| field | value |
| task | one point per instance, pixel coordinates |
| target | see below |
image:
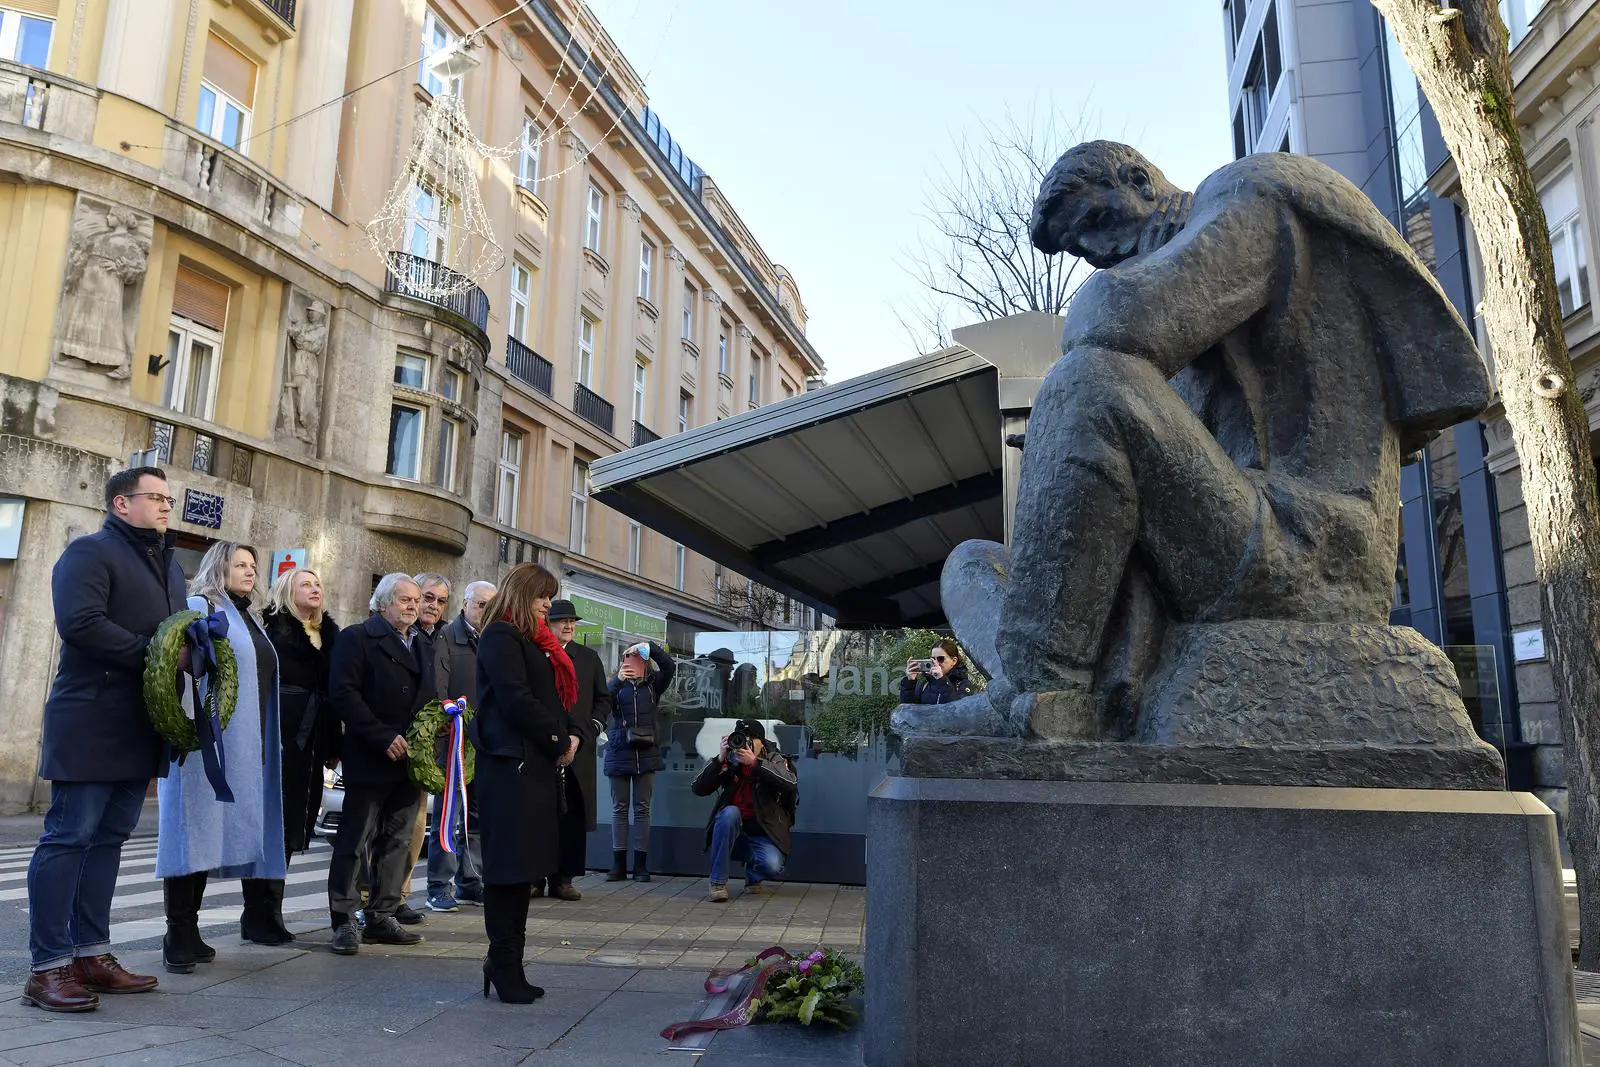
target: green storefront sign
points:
(597, 615)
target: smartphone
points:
(925, 666)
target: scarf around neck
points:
(561, 663)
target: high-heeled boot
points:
(177, 898)
(256, 922)
(505, 921)
(274, 910)
(203, 953)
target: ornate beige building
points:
(187, 269)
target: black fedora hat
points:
(562, 609)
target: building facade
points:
(1466, 576)
(189, 189)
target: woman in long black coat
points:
(302, 634)
(521, 732)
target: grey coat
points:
(243, 839)
(455, 660)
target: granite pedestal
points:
(1094, 923)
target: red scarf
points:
(560, 662)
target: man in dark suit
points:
(111, 590)
(453, 877)
(380, 677)
(594, 703)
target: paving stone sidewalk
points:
(618, 966)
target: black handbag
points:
(641, 738)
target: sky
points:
(826, 123)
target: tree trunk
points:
(1459, 59)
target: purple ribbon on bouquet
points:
(741, 1014)
(201, 636)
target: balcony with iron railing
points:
(642, 434)
(422, 279)
(284, 9)
(529, 367)
(591, 407)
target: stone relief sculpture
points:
(107, 257)
(299, 407)
(1206, 530)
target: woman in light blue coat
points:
(201, 835)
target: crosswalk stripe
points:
(131, 873)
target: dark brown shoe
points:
(103, 974)
(565, 891)
(58, 989)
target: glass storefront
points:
(824, 696)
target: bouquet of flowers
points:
(809, 989)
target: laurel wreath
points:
(427, 741)
(163, 684)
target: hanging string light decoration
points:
(432, 229)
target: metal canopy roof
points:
(848, 498)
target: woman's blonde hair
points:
(513, 599)
(211, 579)
(281, 599)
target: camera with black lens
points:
(737, 740)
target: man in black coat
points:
(454, 878)
(380, 678)
(111, 590)
(594, 704)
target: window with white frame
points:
(1560, 200)
(411, 370)
(647, 262)
(521, 299)
(635, 547)
(641, 375)
(679, 566)
(427, 224)
(25, 37)
(444, 467)
(594, 217)
(1518, 16)
(578, 523)
(755, 377)
(452, 385)
(586, 333)
(722, 350)
(685, 412)
(508, 477)
(436, 37)
(194, 343)
(689, 295)
(528, 153)
(405, 442)
(194, 353)
(227, 92)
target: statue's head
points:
(316, 312)
(1096, 202)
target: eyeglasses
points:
(430, 598)
(159, 498)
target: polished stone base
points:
(1073, 923)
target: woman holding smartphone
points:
(939, 679)
(633, 751)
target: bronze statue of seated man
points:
(1221, 438)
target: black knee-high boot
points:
(505, 920)
(203, 953)
(177, 951)
(275, 902)
(256, 923)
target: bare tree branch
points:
(978, 262)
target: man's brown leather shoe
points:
(565, 891)
(103, 974)
(58, 989)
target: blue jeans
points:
(450, 873)
(74, 869)
(761, 858)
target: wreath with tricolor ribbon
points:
(442, 761)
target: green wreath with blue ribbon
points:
(163, 684)
(428, 744)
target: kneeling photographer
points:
(755, 808)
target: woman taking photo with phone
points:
(939, 679)
(633, 752)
